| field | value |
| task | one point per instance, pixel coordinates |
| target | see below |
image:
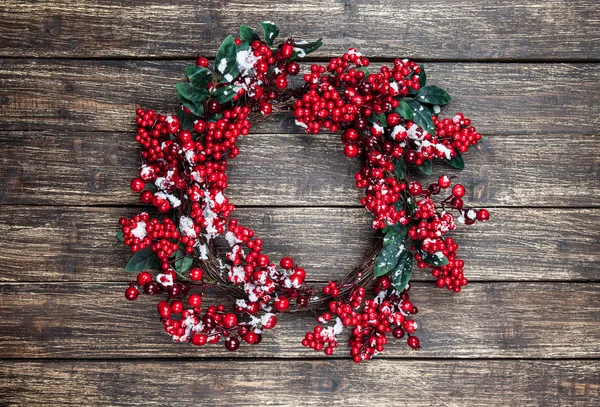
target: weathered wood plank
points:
(433, 29)
(498, 320)
(102, 95)
(311, 170)
(306, 383)
(79, 244)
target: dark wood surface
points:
(526, 331)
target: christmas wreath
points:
(388, 117)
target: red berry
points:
(407, 306)
(413, 342)
(262, 260)
(199, 126)
(415, 188)
(398, 332)
(196, 274)
(173, 124)
(131, 293)
(195, 300)
(286, 263)
(199, 339)
(351, 150)
(457, 202)
(164, 309)
(250, 337)
(444, 181)
(184, 136)
(293, 68)
(458, 191)
(483, 215)
(144, 278)
(266, 108)
(138, 185)
(287, 50)
(350, 135)
(270, 322)
(201, 61)
(393, 119)
(146, 196)
(281, 82)
(282, 303)
(229, 320)
(214, 107)
(410, 326)
(232, 344)
(177, 307)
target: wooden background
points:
(526, 331)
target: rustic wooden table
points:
(526, 331)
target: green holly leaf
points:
(224, 94)
(119, 236)
(184, 264)
(404, 110)
(426, 167)
(393, 247)
(242, 47)
(457, 162)
(226, 62)
(142, 260)
(387, 259)
(402, 272)
(410, 205)
(306, 47)
(248, 35)
(150, 186)
(422, 116)
(436, 259)
(378, 118)
(192, 97)
(422, 77)
(186, 120)
(186, 90)
(400, 168)
(433, 94)
(396, 231)
(215, 117)
(271, 31)
(199, 76)
(196, 110)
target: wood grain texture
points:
(84, 95)
(498, 320)
(78, 168)
(433, 29)
(526, 331)
(79, 244)
(331, 383)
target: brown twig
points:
(361, 275)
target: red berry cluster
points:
(382, 190)
(456, 133)
(184, 169)
(431, 224)
(343, 96)
(191, 166)
(260, 66)
(371, 321)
